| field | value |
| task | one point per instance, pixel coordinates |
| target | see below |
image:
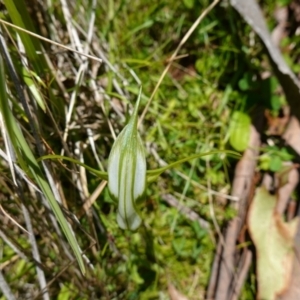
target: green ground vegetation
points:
(203, 104)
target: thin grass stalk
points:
(5, 288)
(35, 253)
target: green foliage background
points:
(216, 75)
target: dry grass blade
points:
(14, 221)
(50, 41)
(35, 254)
(5, 288)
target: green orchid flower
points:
(127, 174)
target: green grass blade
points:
(18, 13)
(30, 82)
(102, 175)
(153, 174)
(33, 170)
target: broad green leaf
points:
(274, 242)
(239, 131)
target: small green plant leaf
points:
(244, 84)
(276, 103)
(239, 131)
(275, 163)
(189, 3)
(65, 293)
(264, 162)
(273, 159)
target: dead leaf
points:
(293, 292)
(175, 294)
(281, 15)
(292, 133)
(274, 242)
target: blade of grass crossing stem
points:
(33, 86)
(153, 174)
(33, 48)
(26, 158)
(18, 13)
